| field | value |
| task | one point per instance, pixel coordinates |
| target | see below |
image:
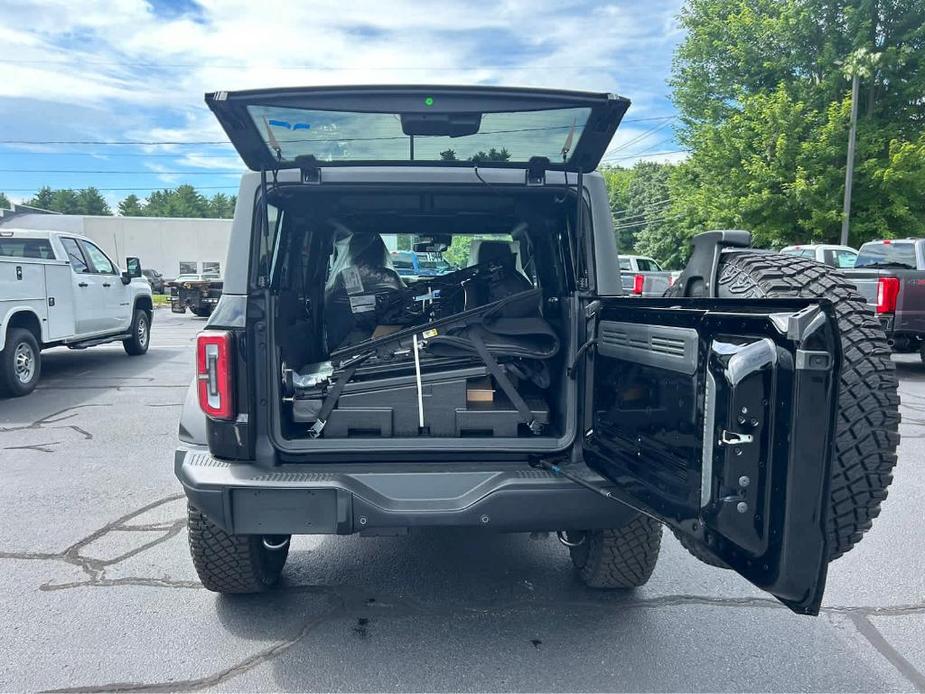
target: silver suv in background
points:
(830, 254)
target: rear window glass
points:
(356, 136)
(402, 261)
(896, 254)
(26, 248)
(647, 265)
(840, 258)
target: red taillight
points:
(638, 283)
(213, 371)
(887, 291)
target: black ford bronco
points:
(753, 411)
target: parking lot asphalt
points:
(97, 591)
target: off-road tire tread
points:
(620, 557)
(867, 427)
(229, 563)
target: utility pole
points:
(849, 169)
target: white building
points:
(170, 245)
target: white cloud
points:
(117, 69)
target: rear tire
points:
(867, 425)
(619, 558)
(141, 334)
(20, 363)
(234, 564)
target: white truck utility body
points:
(64, 290)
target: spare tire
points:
(867, 426)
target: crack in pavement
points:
(886, 649)
(41, 447)
(52, 421)
(239, 668)
(349, 601)
(96, 568)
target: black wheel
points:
(229, 563)
(619, 557)
(141, 333)
(20, 363)
(201, 312)
(867, 428)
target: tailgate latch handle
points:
(731, 438)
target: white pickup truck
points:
(60, 289)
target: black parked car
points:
(155, 279)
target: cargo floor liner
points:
(388, 407)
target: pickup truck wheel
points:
(141, 333)
(867, 427)
(229, 563)
(20, 363)
(620, 557)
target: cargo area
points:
(408, 317)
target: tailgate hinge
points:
(309, 169)
(536, 170)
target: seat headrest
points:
(495, 251)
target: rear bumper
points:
(342, 499)
(194, 301)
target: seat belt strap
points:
(526, 415)
(330, 400)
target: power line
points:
(666, 218)
(175, 155)
(214, 172)
(302, 66)
(647, 154)
(30, 190)
(642, 136)
(654, 208)
(657, 202)
(183, 143)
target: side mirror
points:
(132, 270)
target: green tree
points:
(42, 199)
(221, 206)
(647, 198)
(69, 201)
(131, 206)
(89, 201)
(5, 203)
(491, 155)
(184, 201)
(763, 91)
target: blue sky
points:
(131, 71)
